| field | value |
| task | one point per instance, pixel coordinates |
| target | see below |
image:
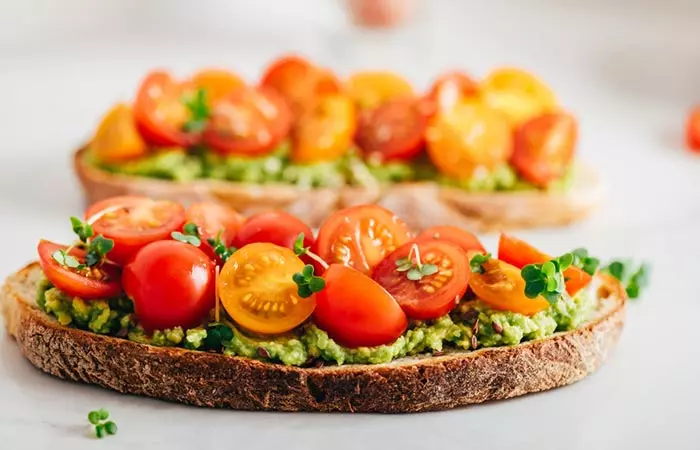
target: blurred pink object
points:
(380, 13)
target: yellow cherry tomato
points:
(218, 83)
(117, 139)
(370, 89)
(517, 94)
(325, 131)
(256, 289)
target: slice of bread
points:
(409, 384)
(421, 205)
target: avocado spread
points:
(309, 344)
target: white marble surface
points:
(629, 70)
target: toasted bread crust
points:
(215, 380)
(421, 205)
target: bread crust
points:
(421, 205)
(213, 380)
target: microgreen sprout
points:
(308, 283)
(220, 247)
(475, 264)
(103, 427)
(412, 265)
(198, 108)
(632, 281)
(547, 279)
(189, 235)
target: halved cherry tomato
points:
(160, 113)
(356, 311)
(257, 290)
(458, 236)
(433, 295)
(692, 131)
(468, 138)
(325, 131)
(132, 222)
(218, 83)
(90, 283)
(214, 220)
(451, 88)
(117, 139)
(171, 284)
(360, 236)
(299, 81)
(275, 227)
(502, 287)
(519, 253)
(393, 131)
(544, 148)
(248, 122)
(517, 94)
(370, 89)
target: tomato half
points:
(468, 138)
(275, 227)
(458, 236)
(171, 284)
(544, 148)
(519, 253)
(517, 94)
(451, 88)
(502, 287)
(257, 290)
(132, 222)
(117, 139)
(360, 236)
(325, 131)
(433, 295)
(356, 311)
(160, 113)
(213, 219)
(248, 121)
(217, 83)
(370, 89)
(692, 130)
(393, 131)
(87, 284)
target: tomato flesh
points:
(434, 295)
(117, 139)
(370, 89)
(217, 83)
(356, 311)
(214, 220)
(458, 236)
(517, 94)
(692, 131)
(393, 131)
(325, 131)
(451, 88)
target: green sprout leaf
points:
(186, 238)
(218, 335)
(633, 281)
(547, 279)
(414, 274)
(102, 427)
(82, 229)
(98, 249)
(191, 229)
(198, 108)
(477, 261)
(307, 283)
(66, 260)
(428, 269)
(585, 262)
(220, 248)
(299, 248)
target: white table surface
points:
(629, 71)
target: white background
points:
(628, 69)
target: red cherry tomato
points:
(132, 222)
(433, 295)
(455, 235)
(171, 284)
(101, 282)
(692, 131)
(393, 131)
(276, 227)
(356, 311)
(451, 88)
(214, 220)
(248, 121)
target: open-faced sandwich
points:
(199, 306)
(482, 155)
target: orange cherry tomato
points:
(117, 139)
(356, 311)
(451, 88)
(433, 295)
(257, 290)
(133, 222)
(544, 148)
(517, 94)
(217, 83)
(692, 131)
(502, 287)
(325, 131)
(249, 122)
(360, 236)
(458, 236)
(214, 220)
(519, 253)
(393, 130)
(370, 89)
(468, 138)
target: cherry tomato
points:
(117, 139)
(275, 227)
(356, 311)
(248, 122)
(217, 83)
(325, 131)
(393, 131)
(692, 132)
(160, 113)
(502, 287)
(458, 236)
(433, 295)
(451, 88)
(370, 89)
(360, 236)
(517, 94)
(214, 220)
(519, 253)
(299, 81)
(89, 283)
(171, 284)
(132, 222)
(469, 138)
(257, 290)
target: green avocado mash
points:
(309, 343)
